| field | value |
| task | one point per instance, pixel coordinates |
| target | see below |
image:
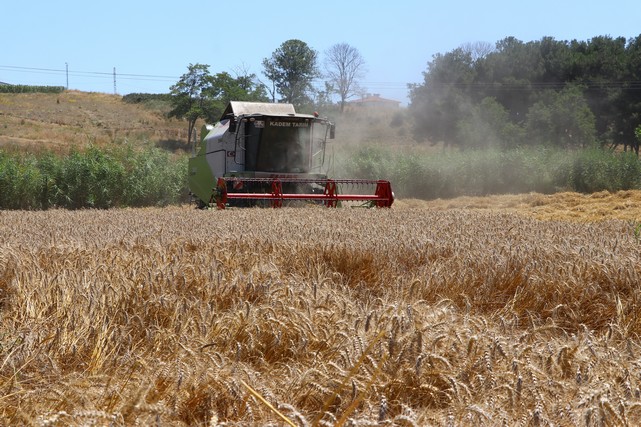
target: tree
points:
(189, 96)
(291, 68)
(344, 66)
(561, 118)
(444, 98)
(567, 93)
(478, 50)
(488, 125)
(323, 97)
(508, 74)
(637, 141)
(225, 88)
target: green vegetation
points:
(144, 98)
(548, 92)
(200, 95)
(94, 178)
(120, 176)
(291, 69)
(541, 116)
(30, 89)
(447, 174)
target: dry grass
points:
(624, 205)
(418, 315)
(58, 122)
(38, 121)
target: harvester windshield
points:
(287, 145)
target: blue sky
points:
(151, 43)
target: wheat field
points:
(472, 312)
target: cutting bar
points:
(326, 191)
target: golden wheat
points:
(408, 316)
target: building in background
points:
(373, 102)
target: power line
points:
(97, 74)
(14, 67)
(377, 84)
(68, 71)
(82, 77)
(516, 86)
(132, 76)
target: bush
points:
(493, 171)
(140, 98)
(94, 178)
(597, 170)
(90, 179)
(153, 178)
(30, 89)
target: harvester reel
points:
(272, 190)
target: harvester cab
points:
(267, 153)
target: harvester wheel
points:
(219, 194)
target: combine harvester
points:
(267, 154)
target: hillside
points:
(39, 121)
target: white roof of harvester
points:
(239, 108)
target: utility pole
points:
(67, 70)
(114, 80)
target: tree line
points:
(290, 71)
(545, 92)
(514, 93)
(7, 88)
